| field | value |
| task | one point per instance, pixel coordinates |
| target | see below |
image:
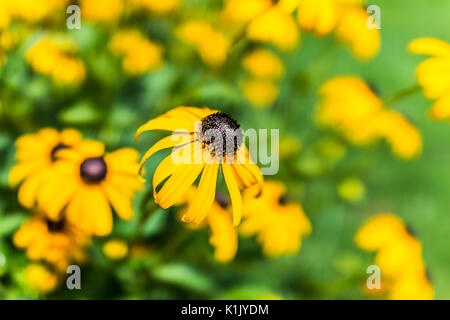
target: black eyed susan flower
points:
(351, 107)
(278, 223)
(85, 181)
(56, 242)
(205, 141)
(224, 237)
(36, 155)
(399, 256)
(433, 74)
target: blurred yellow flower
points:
(244, 11)
(433, 74)
(104, 11)
(399, 256)
(224, 237)
(36, 156)
(351, 189)
(156, 6)
(55, 242)
(278, 224)
(348, 105)
(56, 59)
(115, 249)
(40, 278)
(260, 92)
(263, 63)
(347, 18)
(352, 30)
(211, 44)
(139, 54)
(275, 26)
(196, 154)
(29, 10)
(85, 181)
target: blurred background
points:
(339, 185)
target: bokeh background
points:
(178, 263)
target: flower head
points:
(57, 60)
(85, 181)
(433, 74)
(115, 249)
(204, 141)
(139, 54)
(104, 11)
(56, 242)
(36, 155)
(279, 224)
(40, 278)
(351, 107)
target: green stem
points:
(399, 95)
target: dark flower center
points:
(222, 200)
(55, 226)
(93, 170)
(221, 134)
(283, 200)
(55, 150)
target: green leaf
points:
(10, 223)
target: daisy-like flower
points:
(85, 181)
(224, 237)
(278, 223)
(433, 74)
(211, 44)
(399, 256)
(347, 18)
(36, 156)
(351, 107)
(104, 11)
(139, 54)
(57, 60)
(205, 140)
(56, 242)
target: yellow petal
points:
(429, 46)
(178, 184)
(223, 235)
(23, 169)
(120, 202)
(235, 194)
(55, 195)
(204, 197)
(167, 124)
(441, 109)
(164, 143)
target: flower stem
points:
(401, 94)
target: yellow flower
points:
(351, 189)
(205, 140)
(399, 256)
(34, 10)
(263, 64)
(85, 181)
(156, 6)
(433, 74)
(352, 30)
(115, 249)
(139, 54)
(380, 231)
(55, 242)
(275, 26)
(105, 11)
(56, 60)
(412, 287)
(278, 224)
(36, 156)
(244, 11)
(224, 237)
(318, 16)
(40, 278)
(260, 92)
(348, 105)
(211, 44)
